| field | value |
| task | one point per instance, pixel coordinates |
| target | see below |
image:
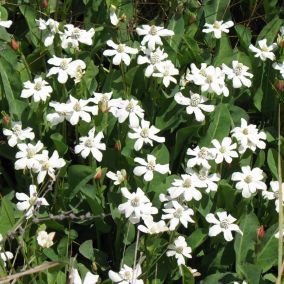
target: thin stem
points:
(135, 256)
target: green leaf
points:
(272, 157)
(244, 35)
(60, 146)
(245, 244)
(197, 238)
(270, 30)
(6, 215)
(86, 249)
(177, 25)
(224, 52)
(251, 272)
(187, 277)
(214, 10)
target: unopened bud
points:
(260, 232)
(6, 119)
(279, 85)
(14, 44)
(117, 145)
(44, 4)
(103, 106)
(98, 174)
(192, 19)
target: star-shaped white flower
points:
(224, 150)
(201, 157)
(223, 225)
(217, 28)
(148, 167)
(91, 144)
(280, 67)
(45, 239)
(152, 227)
(51, 27)
(127, 275)
(119, 177)
(274, 194)
(166, 70)
(90, 278)
(265, 51)
(120, 52)
(249, 181)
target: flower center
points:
(195, 100)
(130, 107)
(265, 49)
(45, 166)
(121, 48)
(38, 86)
(223, 149)
(17, 129)
(153, 30)
(224, 224)
(155, 58)
(151, 165)
(245, 131)
(216, 25)
(239, 69)
(64, 64)
(30, 153)
(248, 179)
(135, 201)
(276, 194)
(76, 33)
(178, 213)
(128, 275)
(89, 143)
(33, 200)
(209, 79)
(77, 106)
(203, 153)
(202, 72)
(145, 132)
(179, 250)
(187, 183)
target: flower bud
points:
(192, 19)
(117, 145)
(6, 119)
(279, 86)
(280, 40)
(14, 44)
(44, 4)
(103, 106)
(260, 232)
(98, 174)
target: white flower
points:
(77, 109)
(17, 134)
(178, 214)
(152, 227)
(152, 35)
(148, 167)
(248, 136)
(137, 206)
(238, 74)
(217, 28)
(277, 235)
(72, 36)
(265, 51)
(60, 114)
(152, 57)
(52, 28)
(201, 157)
(105, 103)
(224, 150)
(29, 202)
(249, 181)
(186, 186)
(91, 144)
(194, 104)
(119, 177)
(280, 67)
(244, 282)
(5, 255)
(223, 225)
(127, 275)
(180, 250)
(209, 180)
(64, 67)
(112, 15)
(90, 278)
(48, 165)
(131, 109)
(40, 90)
(166, 70)
(44, 239)
(145, 134)
(274, 194)
(28, 156)
(120, 52)
(5, 24)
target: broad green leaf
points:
(270, 30)
(195, 239)
(224, 52)
(251, 272)
(86, 249)
(214, 10)
(187, 277)
(6, 215)
(244, 35)
(60, 146)
(272, 161)
(177, 26)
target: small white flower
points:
(148, 167)
(223, 225)
(217, 28)
(44, 239)
(152, 35)
(137, 206)
(5, 24)
(4, 255)
(127, 275)
(119, 177)
(248, 136)
(17, 134)
(166, 70)
(178, 214)
(90, 278)
(40, 90)
(265, 51)
(180, 250)
(48, 165)
(61, 113)
(112, 15)
(131, 109)
(120, 52)
(201, 157)
(249, 181)
(52, 28)
(152, 227)
(72, 36)
(280, 67)
(29, 202)
(194, 104)
(105, 103)
(152, 58)
(145, 134)
(224, 150)
(91, 144)
(238, 74)
(274, 194)
(64, 67)
(28, 156)
(77, 109)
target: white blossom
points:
(274, 194)
(105, 103)
(217, 28)
(4, 254)
(127, 275)
(112, 15)
(166, 70)
(51, 27)
(280, 67)
(152, 227)
(5, 24)
(224, 150)
(265, 51)
(201, 157)
(90, 278)
(45, 239)
(119, 177)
